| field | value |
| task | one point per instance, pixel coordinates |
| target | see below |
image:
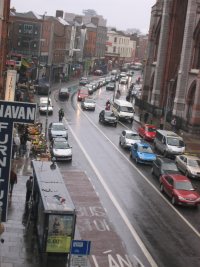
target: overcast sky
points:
(122, 14)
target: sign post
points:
(10, 113)
(80, 249)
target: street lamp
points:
(170, 84)
(47, 114)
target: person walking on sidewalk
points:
(13, 180)
(161, 123)
(28, 148)
(173, 124)
(29, 188)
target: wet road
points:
(148, 225)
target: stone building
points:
(171, 77)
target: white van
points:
(44, 105)
(169, 143)
(123, 110)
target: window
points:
(114, 49)
(115, 39)
(28, 28)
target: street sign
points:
(79, 261)
(80, 247)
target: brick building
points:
(171, 78)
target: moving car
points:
(60, 149)
(123, 110)
(57, 129)
(91, 88)
(110, 86)
(128, 138)
(83, 81)
(88, 104)
(45, 105)
(189, 165)
(164, 166)
(108, 117)
(147, 131)
(123, 80)
(179, 189)
(82, 93)
(63, 93)
(108, 79)
(142, 153)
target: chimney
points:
(59, 14)
(95, 20)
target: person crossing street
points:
(60, 114)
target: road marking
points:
(145, 178)
(115, 202)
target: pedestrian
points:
(60, 114)
(13, 180)
(146, 116)
(28, 148)
(23, 144)
(29, 188)
(173, 124)
(161, 123)
(17, 145)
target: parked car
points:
(142, 153)
(164, 166)
(60, 149)
(128, 138)
(64, 93)
(189, 165)
(179, 189)
(108, 117)
(83, 81)
(88, 104)
(147, 131)
(94, 84)
(110, 86)
(57, 129)
(45, 105)
(82, 93)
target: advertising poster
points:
(59, 233)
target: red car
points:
(179, 188)
(82, 93)
(147, 131)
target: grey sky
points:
(121, 14)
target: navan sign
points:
(10, 113)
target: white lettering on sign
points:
(78, 244)
(91, 211)
(100, 225)
(17, 112)
(117, 261)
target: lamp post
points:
(171, 82)
(47, 114)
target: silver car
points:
(88, 104)
(189, 165)
(128, 138)
(57, 129)
(60, 149)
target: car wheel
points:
(115, 125)
(136, 160)
(173, 201)
(99, 119)
(152, 171)
(130, 155)
(161, 188)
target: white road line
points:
(116, 204)
(146, 179)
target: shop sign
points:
(10, 113)
(10, 85)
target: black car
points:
(108, 117)
(164, 166)
(110, 86)
(63, 93)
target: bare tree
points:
(90, 12)
(133, 30)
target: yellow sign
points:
(60, 244)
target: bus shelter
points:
(54, 210)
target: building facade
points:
(171, 78)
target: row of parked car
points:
(173, 169)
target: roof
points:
(165, 160)
(168, 133)
(62, 21)
(179, 177)
(54, 194)
(123, 102)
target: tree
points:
(90, 12)
(133, 30)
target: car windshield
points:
(183, 186)
(57, 127)
(85, 92)
(126, 109)
(194, 163)
(151, 130)
(61, 145)
(64, 90)
(132, 136)
(109, 114)
(144, 149)
(175, 142)
(89, 100)
(170, 167)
